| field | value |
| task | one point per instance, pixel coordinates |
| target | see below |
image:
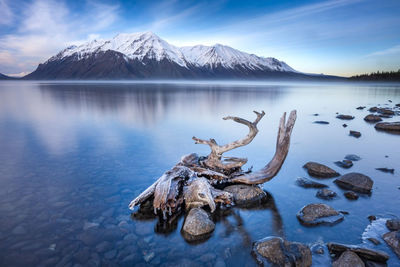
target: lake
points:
(74, 154)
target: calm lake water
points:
(73, 155)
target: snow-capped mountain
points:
(145, 55)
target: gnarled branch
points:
(214, 159)
(282, 149)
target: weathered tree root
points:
(192, 180)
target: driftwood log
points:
(193, 181)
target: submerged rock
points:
(372, 118)
(308, 183)
(197, 225)
(244, 195)
(363, 253)
(393, 240)
(355, 181)
(388, 126)
(348, 259)
(276, 251)
(344, 117)
(319, 170)
(344, 163)
(393, 224)
(355, 133)
(315, 214)
(321, 122)
(352, 157)
(374, 241)
(385, 170)
(351, 195)
(326, 194)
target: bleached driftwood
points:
(192, 181)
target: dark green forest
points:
(378, 76)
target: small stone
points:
(276, 251)
(355, 134)
(321, 122)
(344, 117)
(372, 118)
(344, 125)
(351, 195)
(352, 157)
(393, 224)
(319, 170)
(344, 212)
(149, 256)
(349, 259)
(374, 241)
(355, 181)
(88, 225)
(325, 194)
(315, 114)
(385, 170)
(315, 214)
(386, 111)
(371, 218)
(52, 247)
(308, 183)
(344, 163)
(360, 107)
(103, 246)
(373, 109)
(110, 254)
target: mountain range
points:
(147, 56)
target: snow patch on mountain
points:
(148, 45)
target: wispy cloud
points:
(6, 15)
(386, 52)
(46, 26)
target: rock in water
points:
(197, 225)
(385, 170)
(344, 125)
(308, 183)
(388, 126)
(314, 214)
(351, 195)
(319, 170)
(393, 240)
(276, 251)
(372, 118)
(348, 259)
(246, 195)
(352, 157)
(360, 107)
(325, 194)
(393, 224)
(344, 117)
(386, 111)
(363, 253)
(355, 134)
(321, 122)
(344, 163)
(355, 181)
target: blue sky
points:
(340, 37)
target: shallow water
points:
(73, 155)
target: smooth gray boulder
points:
(348, 259)
(355, 181)
(315, 214)
(319, 170)
(245, 195)
(197, 225)
(276, 251)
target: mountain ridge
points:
(147, 56)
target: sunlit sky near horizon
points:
(339, 37)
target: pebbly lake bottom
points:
(74, 154)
